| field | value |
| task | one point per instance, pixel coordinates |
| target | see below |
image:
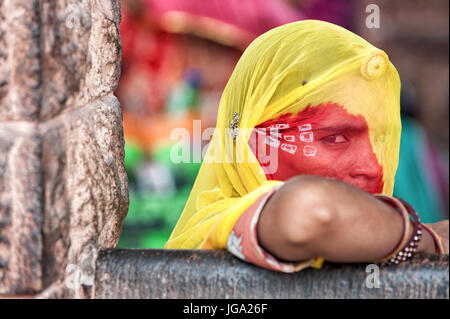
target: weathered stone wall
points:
(63, 188)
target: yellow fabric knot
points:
(374, 65)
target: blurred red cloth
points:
(251, 16)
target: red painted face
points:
(324, 141)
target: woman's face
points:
(324, 141)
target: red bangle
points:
(401, 209)
(438, 245)
(406, 248)
(411, 246)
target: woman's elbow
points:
(304, 211)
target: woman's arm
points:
(313, 216)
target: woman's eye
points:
(335, 139)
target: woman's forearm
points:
(314, 216)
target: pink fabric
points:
(243, 241)
(252, 16)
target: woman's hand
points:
(441, 228)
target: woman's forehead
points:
(326, 116)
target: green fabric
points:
(134, 155)
(411, 181)
(151, 217)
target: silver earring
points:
(234, 126)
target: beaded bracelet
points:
(406, 246)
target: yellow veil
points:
(267, 82)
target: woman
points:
(308, 128)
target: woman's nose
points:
(366, 164)
(369, 172)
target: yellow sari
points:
(266, 83)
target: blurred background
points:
(179, 54)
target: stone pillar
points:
(63, 187)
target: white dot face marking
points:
(304, 127)
(275, 134)
(309, 150)
(289, 138)
(289, 148)
(307, 137)
(272, 141)
(261, 131)
(279, 126)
